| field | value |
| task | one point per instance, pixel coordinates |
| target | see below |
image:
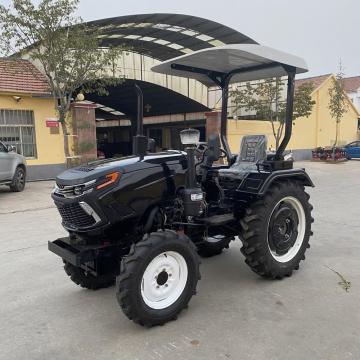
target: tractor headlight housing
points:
(107, 180)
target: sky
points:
(323, 32)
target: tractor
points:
(142, 221)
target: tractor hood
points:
(93, 170)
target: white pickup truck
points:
(12, 168)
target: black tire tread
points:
(129, 267)
(257, 256)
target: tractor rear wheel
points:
(158, 278)
(276, 230)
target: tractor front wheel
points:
(276, 230)
(158, 278)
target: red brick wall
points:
(84, 127)
(213, 123)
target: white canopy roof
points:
(224, 59)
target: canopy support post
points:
(224, 110)
(291, 71)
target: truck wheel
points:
(86, 280)
(158, 278)
(213, 246)
(276, 230)
(18, 182)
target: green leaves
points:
(266, 99)
(303, 103)
(263, 97)
(338, 103)
(66, 50)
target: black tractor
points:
(142, 220)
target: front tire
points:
(18, 181)
(276, 230)
(158, 278)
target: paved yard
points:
(235, 315)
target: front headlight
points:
(107, 180)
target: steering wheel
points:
(201, 150)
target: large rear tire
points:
(158, 278)
(276, 230)
(87, 280)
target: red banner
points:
(52, 123)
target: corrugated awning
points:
(164, 36)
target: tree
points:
(266, 99)
(338, 102)
(65, 49)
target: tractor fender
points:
(299, 175)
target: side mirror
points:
(151, 145)
(11, 148)
(214, 148)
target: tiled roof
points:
(352, 83)
(315, 80)
(20, 76)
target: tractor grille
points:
(73, 216)
(72, 191)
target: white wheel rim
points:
(292, 252)
(164, 280)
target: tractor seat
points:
(252, 151)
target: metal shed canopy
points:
(165, 36)
(250, 61)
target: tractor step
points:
(217, 220)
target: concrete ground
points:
(236, 315)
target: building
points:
(28, 116)
(352, 88)
(318, 129)
(171, 103)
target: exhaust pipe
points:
(140, 111)
(139, 141)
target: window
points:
(2, 148)
(17, 128)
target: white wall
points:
(355, 98)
